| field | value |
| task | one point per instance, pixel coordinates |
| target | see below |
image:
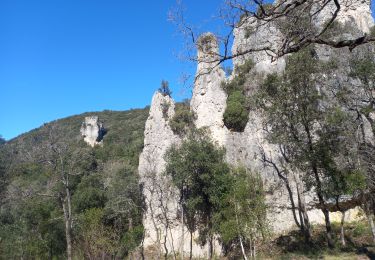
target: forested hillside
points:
(38, 167)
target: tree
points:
(182, 120)
(67, 166)
(301, 26)
(362, 101)
(243, 218)
(164, 88)
(198, 170)
(314, 130)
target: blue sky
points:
(64, 57)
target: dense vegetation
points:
(237, 110)
(215, 199)
(183, 120)
(315, 124)
(106, 201)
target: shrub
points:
(164, 88)
(372, 31)
(182, 120)
(236, 113)
(237, 110)
(164, 109)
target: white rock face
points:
(209, 99)
(161, 221)
(92, 131)
(208, 104)
(368, 133)
(254, 34)
(354, 12)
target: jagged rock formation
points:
(255, 34)
(92, 131)
(208, 104)
(353, 12)
(161, 222)
(209, 99)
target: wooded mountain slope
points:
(103, 182)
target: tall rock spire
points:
(209, 99)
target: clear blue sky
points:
(65, 57)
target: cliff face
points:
(353, 12)
(162, 225)
(161, 199)
(209, 99)
(92, 131)
(208, 104)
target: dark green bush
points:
(237, 110)
(182, 120)
(372, 31)
(236, 114)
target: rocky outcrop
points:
(256, 35)
(161, 200)
(163, 228)
(353, 12)
(92, 131)
(208, 101)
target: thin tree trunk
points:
(182, 233)
(242, 249)
(305, 222)
(255, 251)
(342, 232)
(251, 247)
(287, 185)
(331, 244)
(191, 245)
(165, 242)
(210, 247)
(372, 225)
(67, 232)
(239, 233)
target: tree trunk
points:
(324, 209)
(242, 249)
(251, 247)
(165, 242)
(67, 231)
(182, 233)
(305, 222)
(372, 226)
(210, 247)
(191, 245)
(342, 231)
(330, 241)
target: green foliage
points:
(89, 194)
(164, 109)
(244, 214)
(363, 69)
(315, 130)
(198, 170)
(372, 31)
(95, 236)
(133, 238)
(236, 113)
(105, 182)
(182, 120)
